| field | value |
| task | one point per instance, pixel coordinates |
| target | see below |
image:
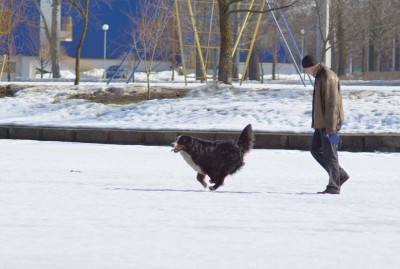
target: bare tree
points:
(55, 41)
(170, 50)
(43, 58)
(339, 9)
(149, 28)
(12, 14)
(271, 41)
(82, 7)
(345, 26)
(52, 34)
(381, 30)
(225, 61)
(42, 51)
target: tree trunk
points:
(80, 43)
(55, 42)
(371, 58)
(262, 72)
(8, 61)
(397, 56)
(341, 40)
(225, 62)
(235, 63)
(254, 71)
(148, 85)
(274, 59)
(274, 69)
(199, 72)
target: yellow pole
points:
(2, 67)
(180, 41)
(252, 44)
(196, 37)
(246, 18)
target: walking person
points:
(327, 119)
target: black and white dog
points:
(216, 159)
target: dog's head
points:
(181, 143)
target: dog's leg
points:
(212, 182)
(200, 178)
(218, 178)
(218, 183)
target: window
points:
(66, 29)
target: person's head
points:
(310, 65)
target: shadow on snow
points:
(174, 190)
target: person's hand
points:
(334, 138)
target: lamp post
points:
(105, 28)
(302, 32)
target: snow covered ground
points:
(71, 205)
(280, 106)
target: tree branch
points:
(259, 11)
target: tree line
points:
(363, 35)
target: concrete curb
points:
(351, 142)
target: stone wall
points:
(264, 140)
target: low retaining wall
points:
(351, 142)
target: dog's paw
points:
(211, 188)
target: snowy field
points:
(71, 205)
(276, 106)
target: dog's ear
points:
(184, 140)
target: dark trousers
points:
(326, 154)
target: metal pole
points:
(245, 20)
(252, 44)
(105, 28)
(302, 32)
(105, 53)
(351, 58)
(292, 38)
(394, 53)
(323, 25)
(197, 40)
(286, 44)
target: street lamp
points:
(302, 32)
(105, 28)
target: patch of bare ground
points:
(6, 91)
(117, 96)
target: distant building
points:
(29, 35)
(24, 57)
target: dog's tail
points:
(246, 139)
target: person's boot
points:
(342, 181)
(329, 191)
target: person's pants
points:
(326, 154)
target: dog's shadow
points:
(176, 190)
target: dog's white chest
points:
(190, 162)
